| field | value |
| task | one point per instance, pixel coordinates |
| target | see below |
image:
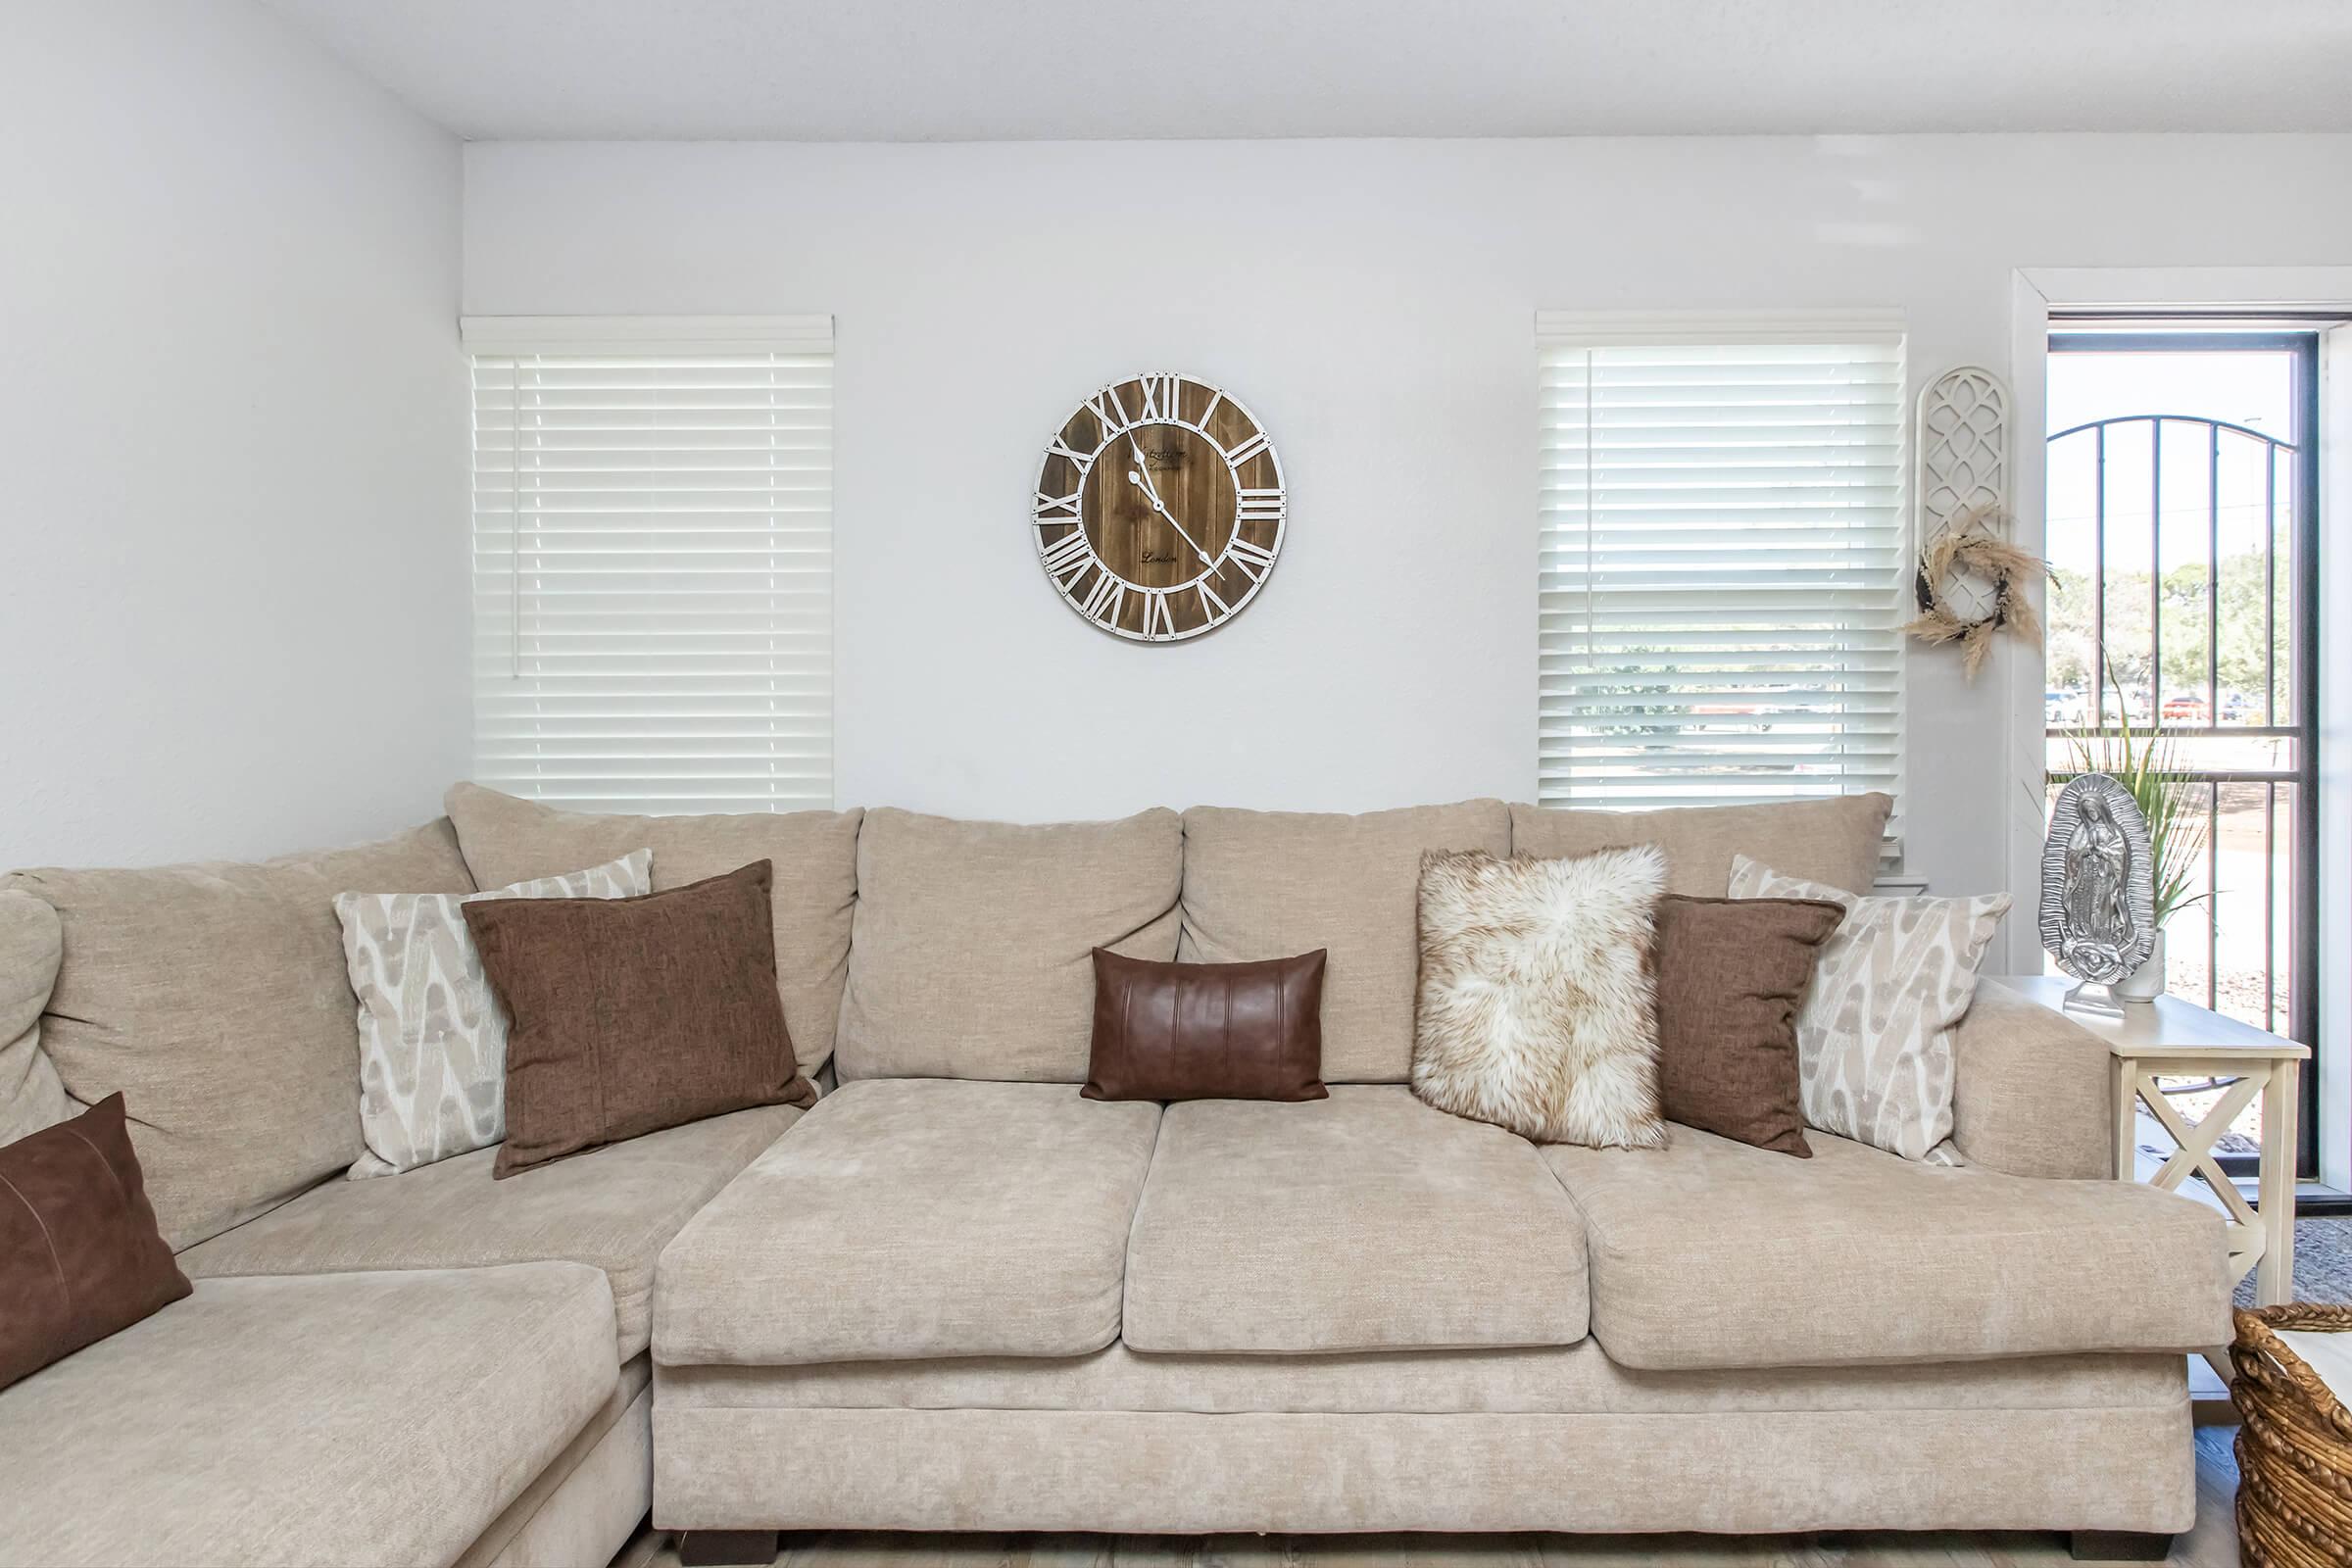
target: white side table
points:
(2178, 1039)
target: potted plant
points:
(2147, 763)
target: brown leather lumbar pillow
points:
(81, 1256)
(1207, 1031)
(1731, 974)
(628, 1015)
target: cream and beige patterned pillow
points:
(1537, 1008)
(432, 1040)
(1874, 1039)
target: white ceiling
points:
(991, 70)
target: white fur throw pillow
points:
(1538, 1008)
(1874, 1039)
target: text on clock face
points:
(1160, 507)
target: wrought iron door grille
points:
(2225, 666)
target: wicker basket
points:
(2294, 1445)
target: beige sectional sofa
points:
(957, 1294)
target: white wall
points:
(232, 501)
(1374, 302)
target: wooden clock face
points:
(1159, 509)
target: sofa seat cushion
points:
(381, 1418)
(906, 1218)
(1710, 1254)
(1367, 1221)
(611, 1208)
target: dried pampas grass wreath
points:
(1971, 549)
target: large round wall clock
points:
(1159, 508)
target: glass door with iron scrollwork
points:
(2183, 536)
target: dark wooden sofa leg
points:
(726, 1549)
(2119, 1546)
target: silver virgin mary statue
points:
(2098, 888)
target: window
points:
(1723, 559)
(653, 561)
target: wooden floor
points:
(2212, 1545)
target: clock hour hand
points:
(1135, 476)
(1141, 473)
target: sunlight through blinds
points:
(1723, 559)
(652, 578)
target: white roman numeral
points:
(1247, 450)
(1160, 394)
(1215, 397)
(1108, 411)
(1065, 557)
(1252, 559)
(1106, 599)
(1259, 506)
(1158, 620)
(1062, 449)
(1211, 606)
(1068, 505)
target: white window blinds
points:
(652, 583)
(1723, 559)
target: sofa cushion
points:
(974, 950)
(1834, 841)
(1874, 1035)
(612, 1210)
(1710, 1254)
(30, 944)
(328, 1419)
(1538, 1008)
(1207, 1031)
(507, 839)
(1731, 974)
(1269, 884)
(625, 1016)
(79, 1257)
(432, 1039)
(214, 998)
(1367, 1221)
(912, 1218)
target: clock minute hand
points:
(1161, 507)
(1141, 473)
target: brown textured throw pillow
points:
(81, 1256)
(628, 1015)
(1731, 974)
(1207, 1031)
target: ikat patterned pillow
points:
(1874, 1037)
(432, 1039)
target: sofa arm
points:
(2033, 1091)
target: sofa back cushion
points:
(509, 840)
(974, 948)
(214, 998)
(30, 942)
(1834, 841)
(1269, 884)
